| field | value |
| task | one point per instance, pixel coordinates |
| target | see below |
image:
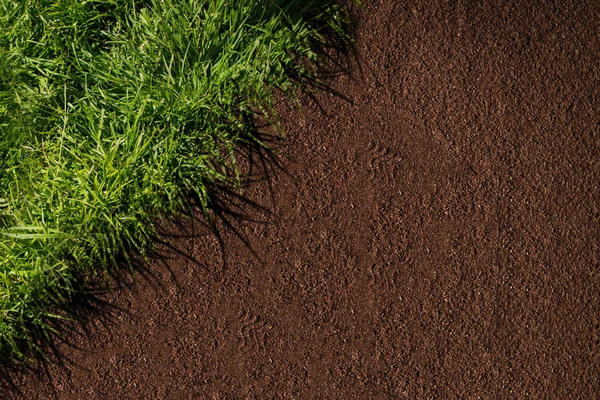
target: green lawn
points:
(112, 114)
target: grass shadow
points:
(89, 312)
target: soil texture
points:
(432, 232)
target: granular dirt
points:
(432, 233)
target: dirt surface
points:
(434, 235)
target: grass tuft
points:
(112, 113)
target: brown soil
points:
(434, 235)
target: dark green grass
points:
(114, 112)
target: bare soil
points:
(431, 233)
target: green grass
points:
(114, 112)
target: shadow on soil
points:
(259, 157)
(90, 313)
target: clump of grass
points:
(112, 113)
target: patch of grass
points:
(112, 113)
